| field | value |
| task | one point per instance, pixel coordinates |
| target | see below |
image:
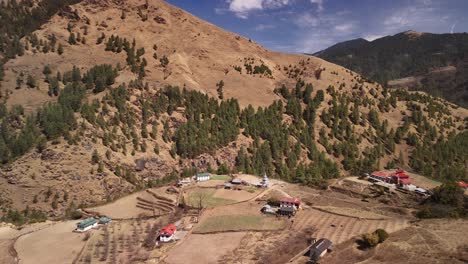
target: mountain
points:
(345, 45)
(109, 97)
(434, 63)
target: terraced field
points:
(156, 204)
(152, 202)
(339, 228)
(429, 241)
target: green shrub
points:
(382, 234)
(371, 239)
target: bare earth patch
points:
(339, 228)
(204, 248)
(55, 244)
(351, 212)
(431, 241)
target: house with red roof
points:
(378, 176)
(290, 202)
(167, 233)
(400, 177)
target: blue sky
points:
(311, 25)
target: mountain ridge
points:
(409, 54)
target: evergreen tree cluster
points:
(444, 160)
(278, 147)
(251, 68)
(26, 216)
(36, 44)
(448, 200)
(19, 19)
(100, 77)
(134, 56)
(20, 133)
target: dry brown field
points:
(204, 248)
(56, 244)
(140, 204)
(428, 241)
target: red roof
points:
(380, 174)
(168, 230)
(290, 200)
(400, 175)
(462, 184)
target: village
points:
(207, 204)
(232, 218)
(280, 206)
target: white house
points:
(167, 233)
(86, 225)
(203, 177)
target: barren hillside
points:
(200, 54)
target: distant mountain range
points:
(434, 63)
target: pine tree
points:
(219, 89)
(31, 82)
(72, 39)
(60, 49)
(95, 158)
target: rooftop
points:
(168, 230)
(286, 209)
(379, 174)
(87, 222)
(290, 200)
(320, 246)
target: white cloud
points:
(424, 2)
(261, 27)
(242, 8)
(373, 37)
(411, 17)
(306, 20)
(323, 30)
(344, 27)
(452, 28)
(319, 4)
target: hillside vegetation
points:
(128, 104)
(437, 61)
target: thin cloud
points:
(306, 20)
(453, 28)
(319, 4)
(262, 27)
(242, 8)
(313, 25)
(345, 27)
